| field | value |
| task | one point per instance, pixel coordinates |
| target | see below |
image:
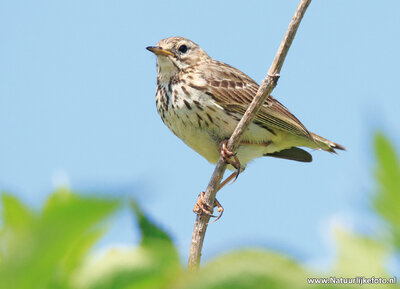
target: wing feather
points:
(233, 90)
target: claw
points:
(227, 155)
(220, 211)
(202, 207)
(237, 167)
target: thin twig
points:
(263, 93)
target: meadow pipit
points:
(201, 100)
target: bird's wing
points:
(234, 91)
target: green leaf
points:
(387, 201)
(152, 265)
(248, 269)
(17, 221)
(155, 240)
(150, 232)
(15, 215)
(55, 242)
(359, 256)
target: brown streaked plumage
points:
(201, 100)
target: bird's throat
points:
(166, 69)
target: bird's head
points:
(176, 53)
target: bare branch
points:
(266, 87)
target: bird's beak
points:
(157, 50)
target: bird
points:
(201, 100)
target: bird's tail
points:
(325, 144)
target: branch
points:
(266, 87)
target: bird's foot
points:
(227, 155)
(201, 207)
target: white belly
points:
(202, 125)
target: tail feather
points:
(327, 145)
(294, 154)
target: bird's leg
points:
(201, 206)
(227, 180)
(226, 156)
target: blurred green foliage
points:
(52, 248)
(387, 201)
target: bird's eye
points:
(183, 48)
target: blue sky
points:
(77, 106)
